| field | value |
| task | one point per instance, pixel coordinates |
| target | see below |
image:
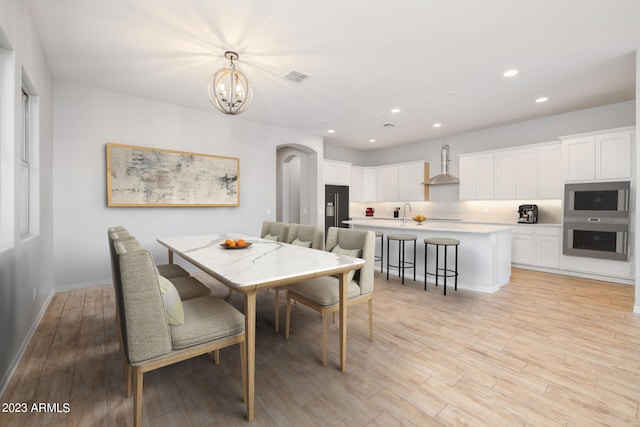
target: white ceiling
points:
(364, 57)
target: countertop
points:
(452, 226)
(456, 221)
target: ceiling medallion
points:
(229, 89)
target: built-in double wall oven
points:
(596, 220)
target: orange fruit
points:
(226, 242)
(231, 244)
(241, 243)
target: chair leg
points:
(243, 370)
(127, 377)
(324, 337)
(137, 397)
(277, 310)
(371, 319)
(287, 318)
(216, 357)
(230, 292)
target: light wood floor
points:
(544, 350)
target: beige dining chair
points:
(188, 287)
(160, 332)
(322, 293)
(308, 236)
(272, 230)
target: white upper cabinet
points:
(550, 183)
(476, 177)
(530, 172)
(602, 156)
(527, 173)
(505, 166)
(410, 179)
(337, 173)
(387, 183)
(363, 184)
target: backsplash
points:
(502, 211)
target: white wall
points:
(26, 266)
(85, 119)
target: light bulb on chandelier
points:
(234, 102)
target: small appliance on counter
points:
(528, 214)
(396, 212)
(370, 211)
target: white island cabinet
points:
(484, 254)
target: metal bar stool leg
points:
(414, 260)
(401, 262)
(445, 270)
(437, 262)
(388, 258)
(456, 277)
(425, 265)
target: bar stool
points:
(446, 272)
(402, 263)
(380, 258)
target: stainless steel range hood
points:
(444, 177)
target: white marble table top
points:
(265, 263)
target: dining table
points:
(262, 264)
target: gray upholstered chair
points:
(308, 236)
(188, 287)
(272, 230)
(322, 293)
(151, 340)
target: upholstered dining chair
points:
(272, 230)
(322, 293)
(188, 287)
(160, 329)
(308, 236)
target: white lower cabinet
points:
(546, 245)
(522, 245)
(536, 245)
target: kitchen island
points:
(484, 254)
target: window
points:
(25, 167)
(28, 185)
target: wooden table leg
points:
(250, 330)
(170, 256)
(343, 321)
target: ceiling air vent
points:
(296, 76)
(388, 125)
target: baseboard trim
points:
(73, 286)
(23, 348)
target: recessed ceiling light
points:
(437, 125)
(372, 140)
(331, 131)
(510, 73)
(395, 110)
(542, 99)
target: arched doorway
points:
(297, 184)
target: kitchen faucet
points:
(404, 213)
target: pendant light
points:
(228, 88)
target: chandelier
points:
(228, 88)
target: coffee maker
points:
(528, 214)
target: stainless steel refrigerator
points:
(336, 206)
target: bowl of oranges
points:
(419, 219)
(235, 244)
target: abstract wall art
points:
(143, 176)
